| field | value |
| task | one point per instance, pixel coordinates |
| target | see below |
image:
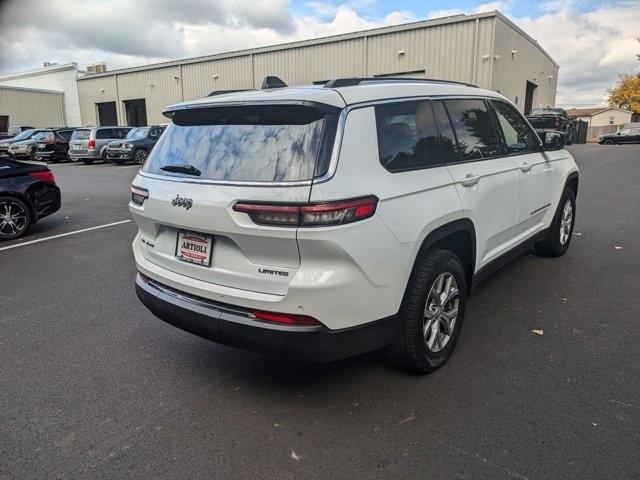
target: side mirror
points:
(552, 140)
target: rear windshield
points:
(80, 134)
(266, 143)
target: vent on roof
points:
(272, 82)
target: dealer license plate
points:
(194, 247)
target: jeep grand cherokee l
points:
(325, 221)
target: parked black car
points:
(26, 148)
(626, 135)
(552, 119)
(14, 131)
(25, 135)
(136, 147)
(28, 192)
(53, 145)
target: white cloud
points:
(592, 49)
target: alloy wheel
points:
(566, 222)
(140, 157)
(13, 218)
(441, 312)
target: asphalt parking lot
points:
(94, 386)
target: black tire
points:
(14, 206)
(410, 348)
(33, 155)
(87, 161)
(608, 142)
(552, 245)
(104, 157)
(119, 161)
(140, 156)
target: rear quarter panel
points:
(411, 204)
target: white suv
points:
(325, 221)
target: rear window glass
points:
(105, 133)
(263, 143)
(65, 134)
(407, 136)
(474, 130)
(80, 134)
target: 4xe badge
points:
(182, 202)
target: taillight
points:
(139, 195)
(92, 143)
(284, 318)
(46, 176)
(310, 215)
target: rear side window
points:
(103, 133)
(80, 134)
(407, 136)
(448, 142)
(517, 137)
(258, 143)
(474, 130)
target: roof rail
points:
(351, 82)
(272, 82)
(222, 92)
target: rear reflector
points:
(284, 318)
(310, 215)
(139, 195)
(46, 176)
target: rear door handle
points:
(470, 180)
(526, 167)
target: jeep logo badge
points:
(182, 202)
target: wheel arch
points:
(459, 237)
(572, 182)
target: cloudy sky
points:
(593, 41)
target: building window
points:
(610, 120)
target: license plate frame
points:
(188, 253)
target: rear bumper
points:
(95, 154)
(234, 326)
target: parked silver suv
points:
(89, 144)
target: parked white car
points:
(325, 221)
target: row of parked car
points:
(86, 144)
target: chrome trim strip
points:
(224, 182)
(209, 304)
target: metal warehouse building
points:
(31, 107)
(485, 49)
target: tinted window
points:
(247, 143)
(474, 130)
(407, 136)
(137, 133)
(516, 135)
(80, 134)
(448, 143)
(66, 134)
(24, 135)
(103, 133)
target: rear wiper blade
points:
(182, 168)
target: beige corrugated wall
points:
(512, 70)
(33, 108)
(96, 90)
(462, 49)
